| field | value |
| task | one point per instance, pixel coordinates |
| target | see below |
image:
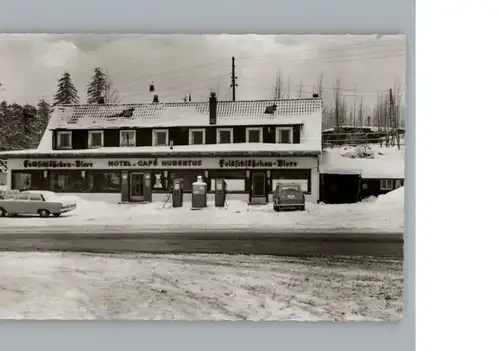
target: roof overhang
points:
(80, 154)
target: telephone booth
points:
(220, 192)
(177, 192)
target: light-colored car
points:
(43, 203)
(289, 196)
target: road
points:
(278, 243)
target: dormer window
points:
(96, 138)
(64, 140)
(127, 137)
(254, 135)
(284, 135)
(197, 136)
(160, 137)
(224, 135)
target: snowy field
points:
(198, 287)
(384, 214)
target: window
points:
(127, 137)
(188, 176)
(300, 176)
(27, 180)
(22, 197)
(284, 135)
(96, 138)
(398, 184)
(64, 140)
(254, 135)
(196, 136)
(160, 137)
(386, 184)
(103, 182)
(36, 197)
(66, 181)
(224, 136)
(235, 179)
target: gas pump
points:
(177, 193)
(220, 193)
(199, 195)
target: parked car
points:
(43, 203)
(289, 196)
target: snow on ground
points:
(198, 287)
(387, 162)
(385, 214)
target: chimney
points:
(315, 96)
(101, 100)
(368, 120)
(155, 99)
(212, 109)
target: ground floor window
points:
(103, 181)
(27, 180)
(300, 176)
(386, 184)
(188, 177)
(235, 180)
(66, 181)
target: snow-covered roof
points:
(386, 162)
(294, 111)
(181, 114)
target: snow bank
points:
(378, 162)
(381, 215)
(393, 197)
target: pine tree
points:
(97, 86)
(66, 91)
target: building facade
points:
(135, 152)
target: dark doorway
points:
(136, 186)
(339, 188)
(258, 192)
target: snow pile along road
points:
(198, 287)
(386, 214)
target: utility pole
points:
(300, 89)
(233, 79)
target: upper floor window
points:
(386, 184)
(127, 137)
(197, 136)
(284, 135)
(96, 138)
(160, 137)
(224, 135)
(254, 135)
(64, 140)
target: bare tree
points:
(320, 86)
(111, 94)
(279, 89)
(300, 89)
(340, 106)
(361, 113)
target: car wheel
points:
(56, 214)
(44, 213)
(302, 208)
(276, 208)
(3, 213)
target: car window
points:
(35, 197)
(22, 197)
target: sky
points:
(362, 66)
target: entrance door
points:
(136, 186)
(258, 185)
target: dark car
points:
(289, 196)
